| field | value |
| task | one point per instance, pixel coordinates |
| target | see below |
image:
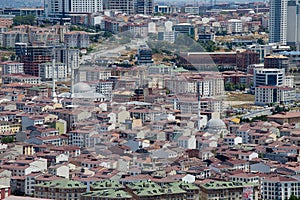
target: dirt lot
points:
(240, 97)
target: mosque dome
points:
(216, 124)
(82, 88)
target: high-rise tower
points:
(60, 8)
(293, 22)
(278, 21)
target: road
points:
(109, 50)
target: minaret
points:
(199, 105)
(72, 78)
(54, 96)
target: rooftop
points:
(108, 193)
(223, 185)
(62, 184)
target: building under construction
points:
(32, 56)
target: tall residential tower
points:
(293, 25)
(278, 21)
(58, 8)
(284, 22)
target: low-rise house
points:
(232, 140)
(164, 153)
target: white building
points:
(168, 26)
(278, 21)
(209, 85)
(56, 7)
(159, 69)
(244, 132)
(247, 155)
(59, 170)
(129, 7)
(273, 94)
(85, 6)
(245, 178)
(289, 81)
(192, 10)
(279, 187)
(187, 142)
(80, 138)
(105, 88)
(12, 68)
(167, 36)
(233, 140)
(164, 9)
(90, 74)
(263, 50)
(269, 77)
(235, 26)
(46, 71)
(152, 27)
(12, 78)
(77, 39)
(272, 86)
(293, 18)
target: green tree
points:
(229, 86)
(13, 57)
(4, 58)
(107, 34)
(221, 33)
(229, 45)
(293, 48)
(7, 139)
(260, 41)
(209, 46)
(294, 198)
(24, 20)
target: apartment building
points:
(279, 187)
(105, 88)
(77, 39)
(93, 74)
(235, 26)
(144, 7)
(47, 72)
(12, 78)
(12, 68)
(60, 190)
(32, 56)
(55, 8)
(276, 61)
(124, 6)
(228, 190)
(209, 84)
(273, 94)
(7, 22)
(9, 39)
(246, 58)
(268, 77)
(149, 190)
(107, 194)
